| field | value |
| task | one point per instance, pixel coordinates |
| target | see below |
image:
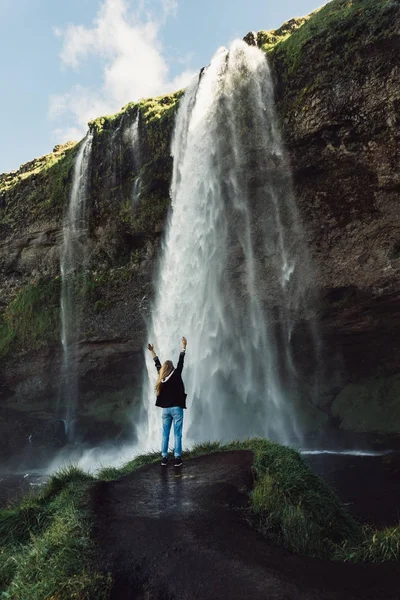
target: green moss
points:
(39, 188)
(31, 320)
(156, 109)
(151, 212)
(116, 167)
(266, 40)
(336, 31)
(151, 109)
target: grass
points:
(151, 109)
(47, 551)
(39, 188)
(267, 40)
(338, 30)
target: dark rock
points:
(338, 101)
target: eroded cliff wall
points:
(338, 99)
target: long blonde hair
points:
(165, 370)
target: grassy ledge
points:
(47, 551)
(347, 25)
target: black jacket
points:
(172, 391)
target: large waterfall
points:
(73, 258)
(235, 270)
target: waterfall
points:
(235, 271)
(73, 259)
(131, 137)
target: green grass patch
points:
(151, 109)
(39, 188)
(374, 546)
(267, 40)
(47, 551)
(339, 29)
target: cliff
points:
(336, 74)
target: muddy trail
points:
(168, 535)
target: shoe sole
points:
(180, 464)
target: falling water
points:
(131, 136)
(73, 257)
(235, 270)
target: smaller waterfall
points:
(131, 137)
(73, 260)
(115, 156)
(136, 190)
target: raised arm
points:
(182, 356)
(155, 357)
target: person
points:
(171, 397)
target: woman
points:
(171, 398)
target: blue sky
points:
(66, 62)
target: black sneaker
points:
(164, 461)
(178, 461)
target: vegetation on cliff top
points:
(339, 29)
(150, 109)
(38, 189)
(47, 551)
(340, 24)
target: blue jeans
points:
(175, 414)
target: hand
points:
(150, 347)
(184, 343)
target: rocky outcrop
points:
(337, 77)
(338, 94)
(115, 291)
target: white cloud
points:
(125, 42)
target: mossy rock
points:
(326, 49)
(38, 190)
(31, 319)
(369, 405)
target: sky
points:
(64, 63)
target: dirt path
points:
(167, 535)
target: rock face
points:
(337, 78)
(114, 293)
(339, 100)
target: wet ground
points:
(368, 485)
(183, 535)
